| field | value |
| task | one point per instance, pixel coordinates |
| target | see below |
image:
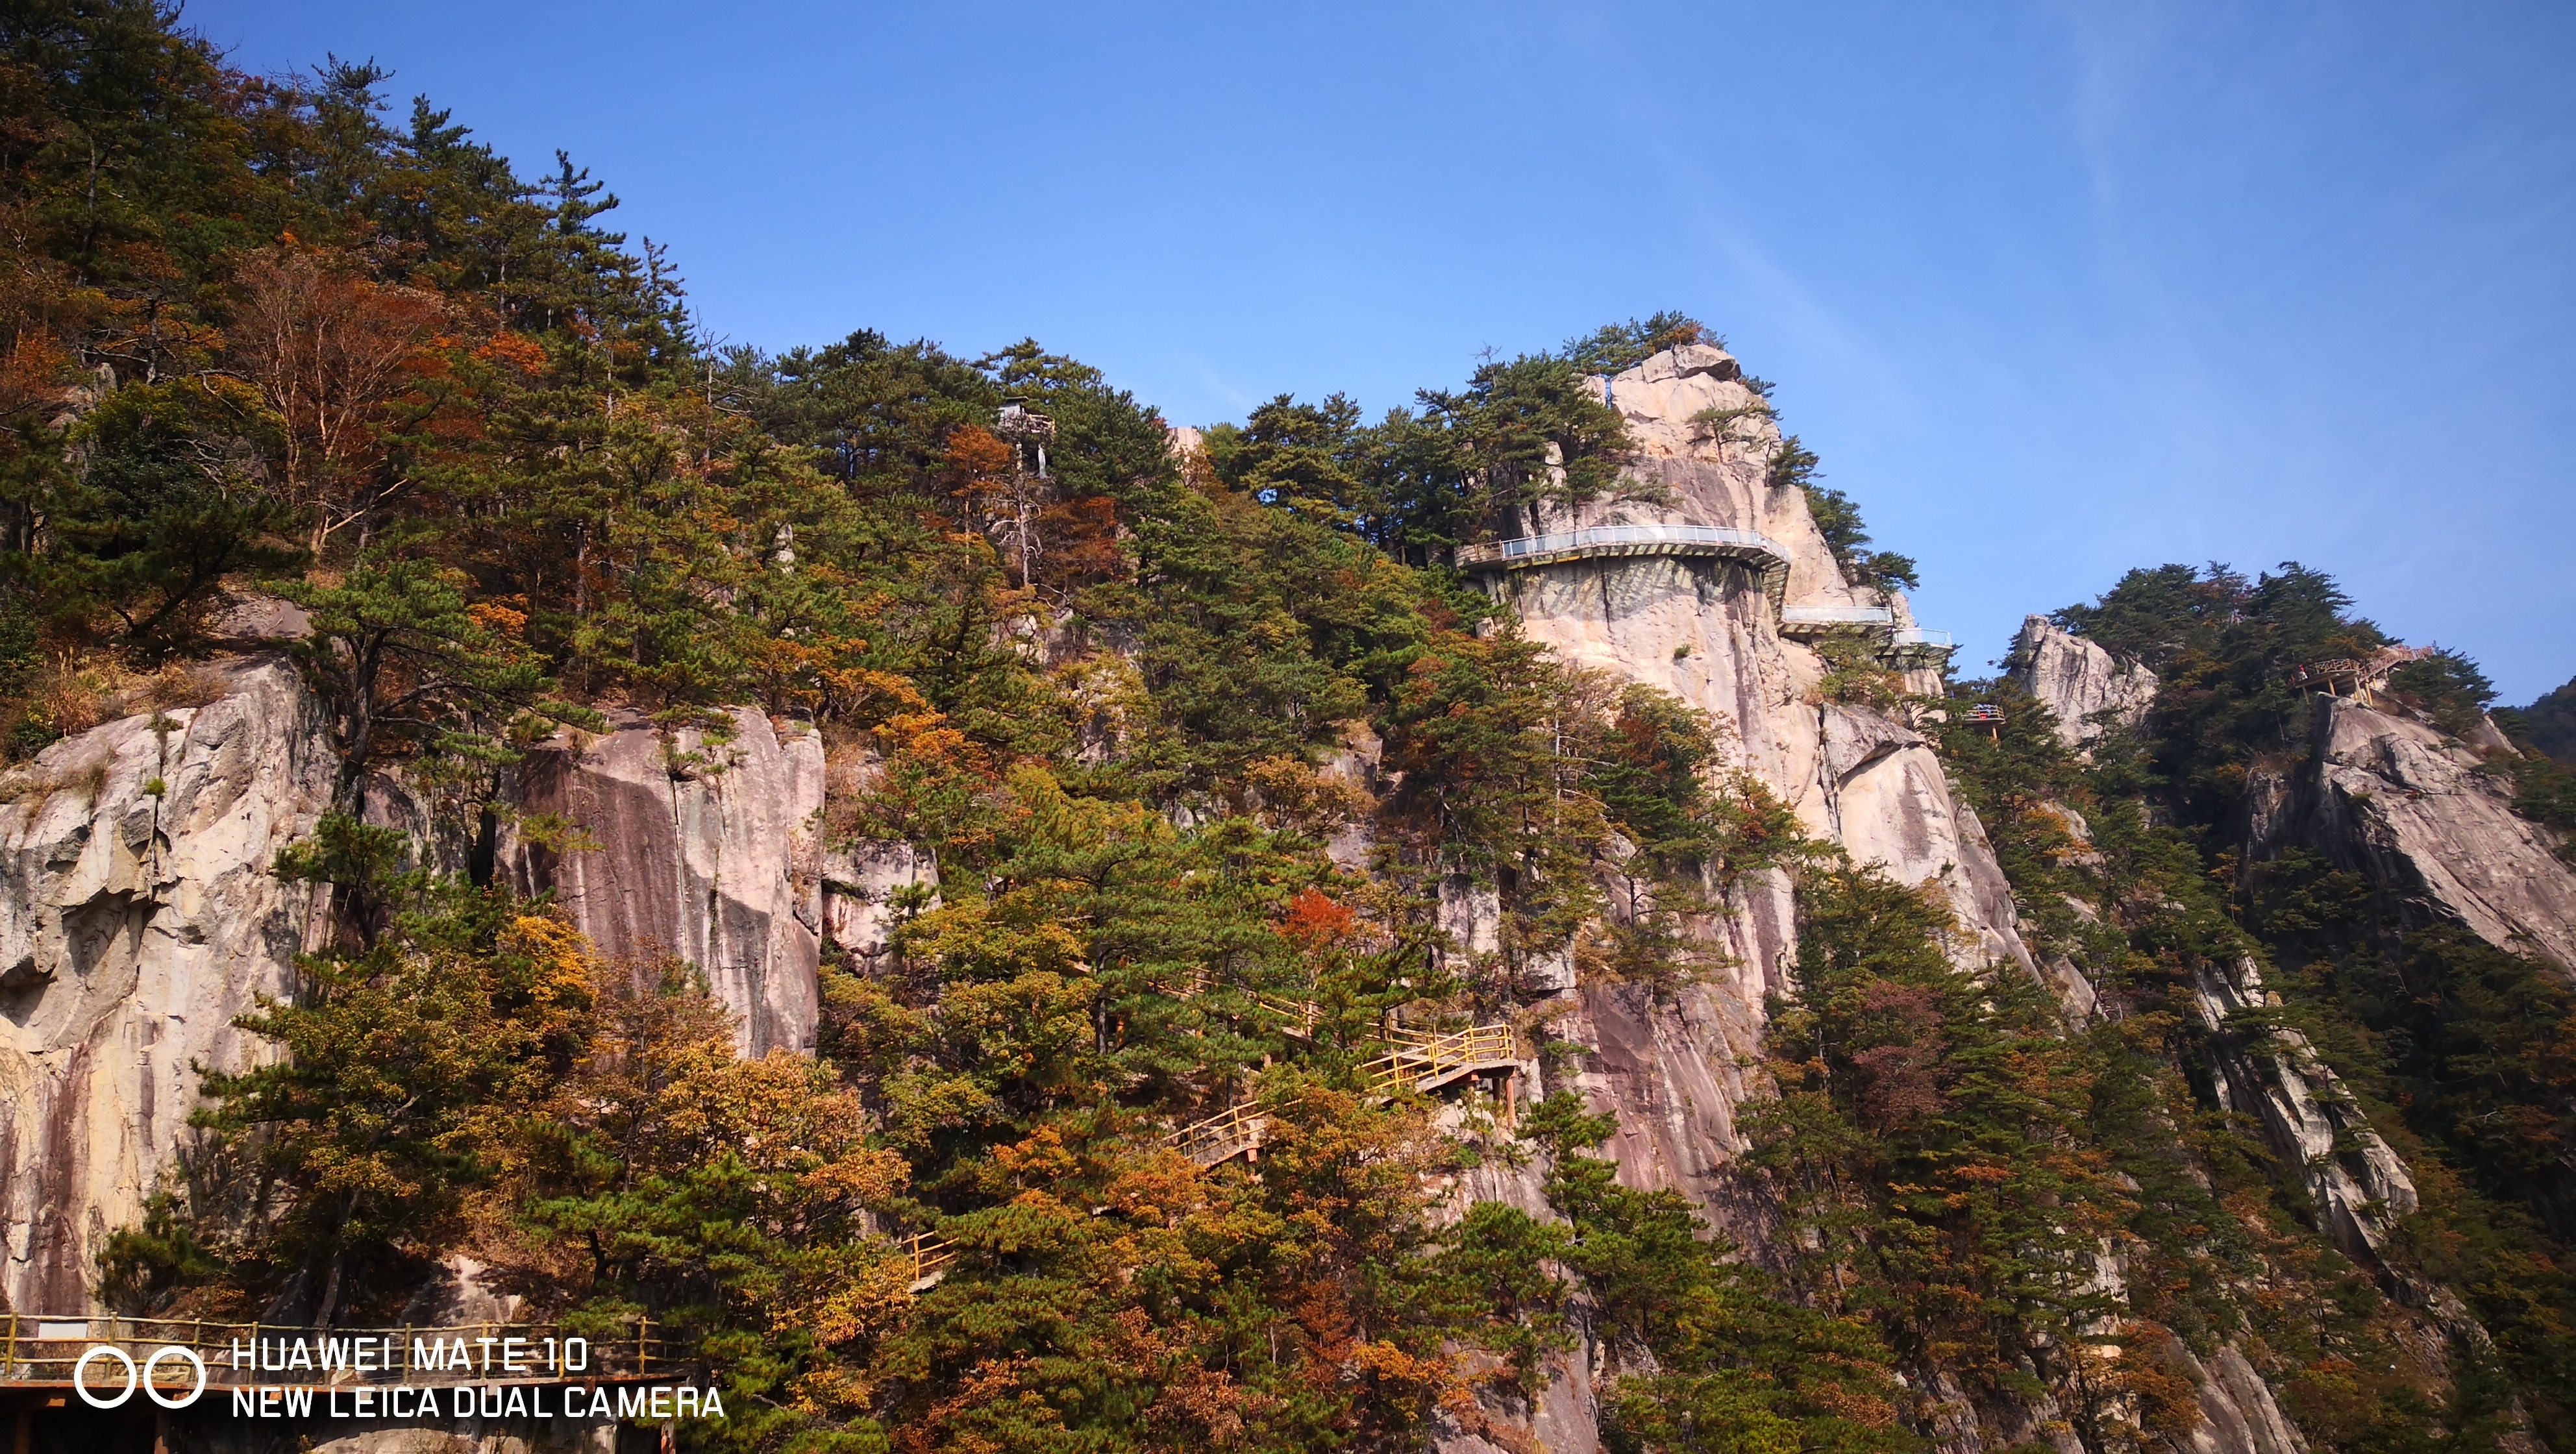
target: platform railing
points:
(1422, 1061)
(931, 1254)
(1302, 1015)
(1837, 616)
(1223, 1136)
(1878, 621)
(1604, 537)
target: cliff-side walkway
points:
(1905, 646)
(1749, 548)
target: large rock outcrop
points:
(150, 920)
(2359, 1187)
(2406, 806)
(691, 842)
(2085, 688)
(1674, 1073)
(138, 917)
(1705, 630)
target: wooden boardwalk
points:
(2362, 676)
(1420, 1061)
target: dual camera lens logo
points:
(146, 1377)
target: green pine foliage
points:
(1735, 1365)
(1124, 706)
(1934, 1152)
(2127, 865)
(1839, 519)
(1462, 465)
(2225, 649)
(2548, 724)
(1616, 348)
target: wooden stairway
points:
(1420, 1061)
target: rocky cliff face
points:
(2407, 806)
(2084, 688)
(1673, 1075)
(139, 917)
(2358, 1185)
(2399, 802)
(695, 843)
(1703, 629)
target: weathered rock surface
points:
(1673, 1074)
(2084, 687)
(698, 845)
(138, 917)
(2360, 1187)
(164, 921)
(1703, 630)
(1888, 802)
(2395, 800)
(859, 885)
(2237, 1410)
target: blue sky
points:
(2054, 289)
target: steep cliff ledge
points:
(2407, 806)
(139, 917)
(692, 843)
(1705, 631)
(2084, 688)
(144, 918)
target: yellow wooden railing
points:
(1421, 1060)
(1230, 1133)
(1424, 1060)
(1301, 1015)
(931, 1254)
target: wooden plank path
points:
(1425, 1061)
(2364, 676)
(1419, 1061)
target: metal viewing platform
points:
(1801, 622)
(1748, 548)
(1903, 647)
(1913, 647)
